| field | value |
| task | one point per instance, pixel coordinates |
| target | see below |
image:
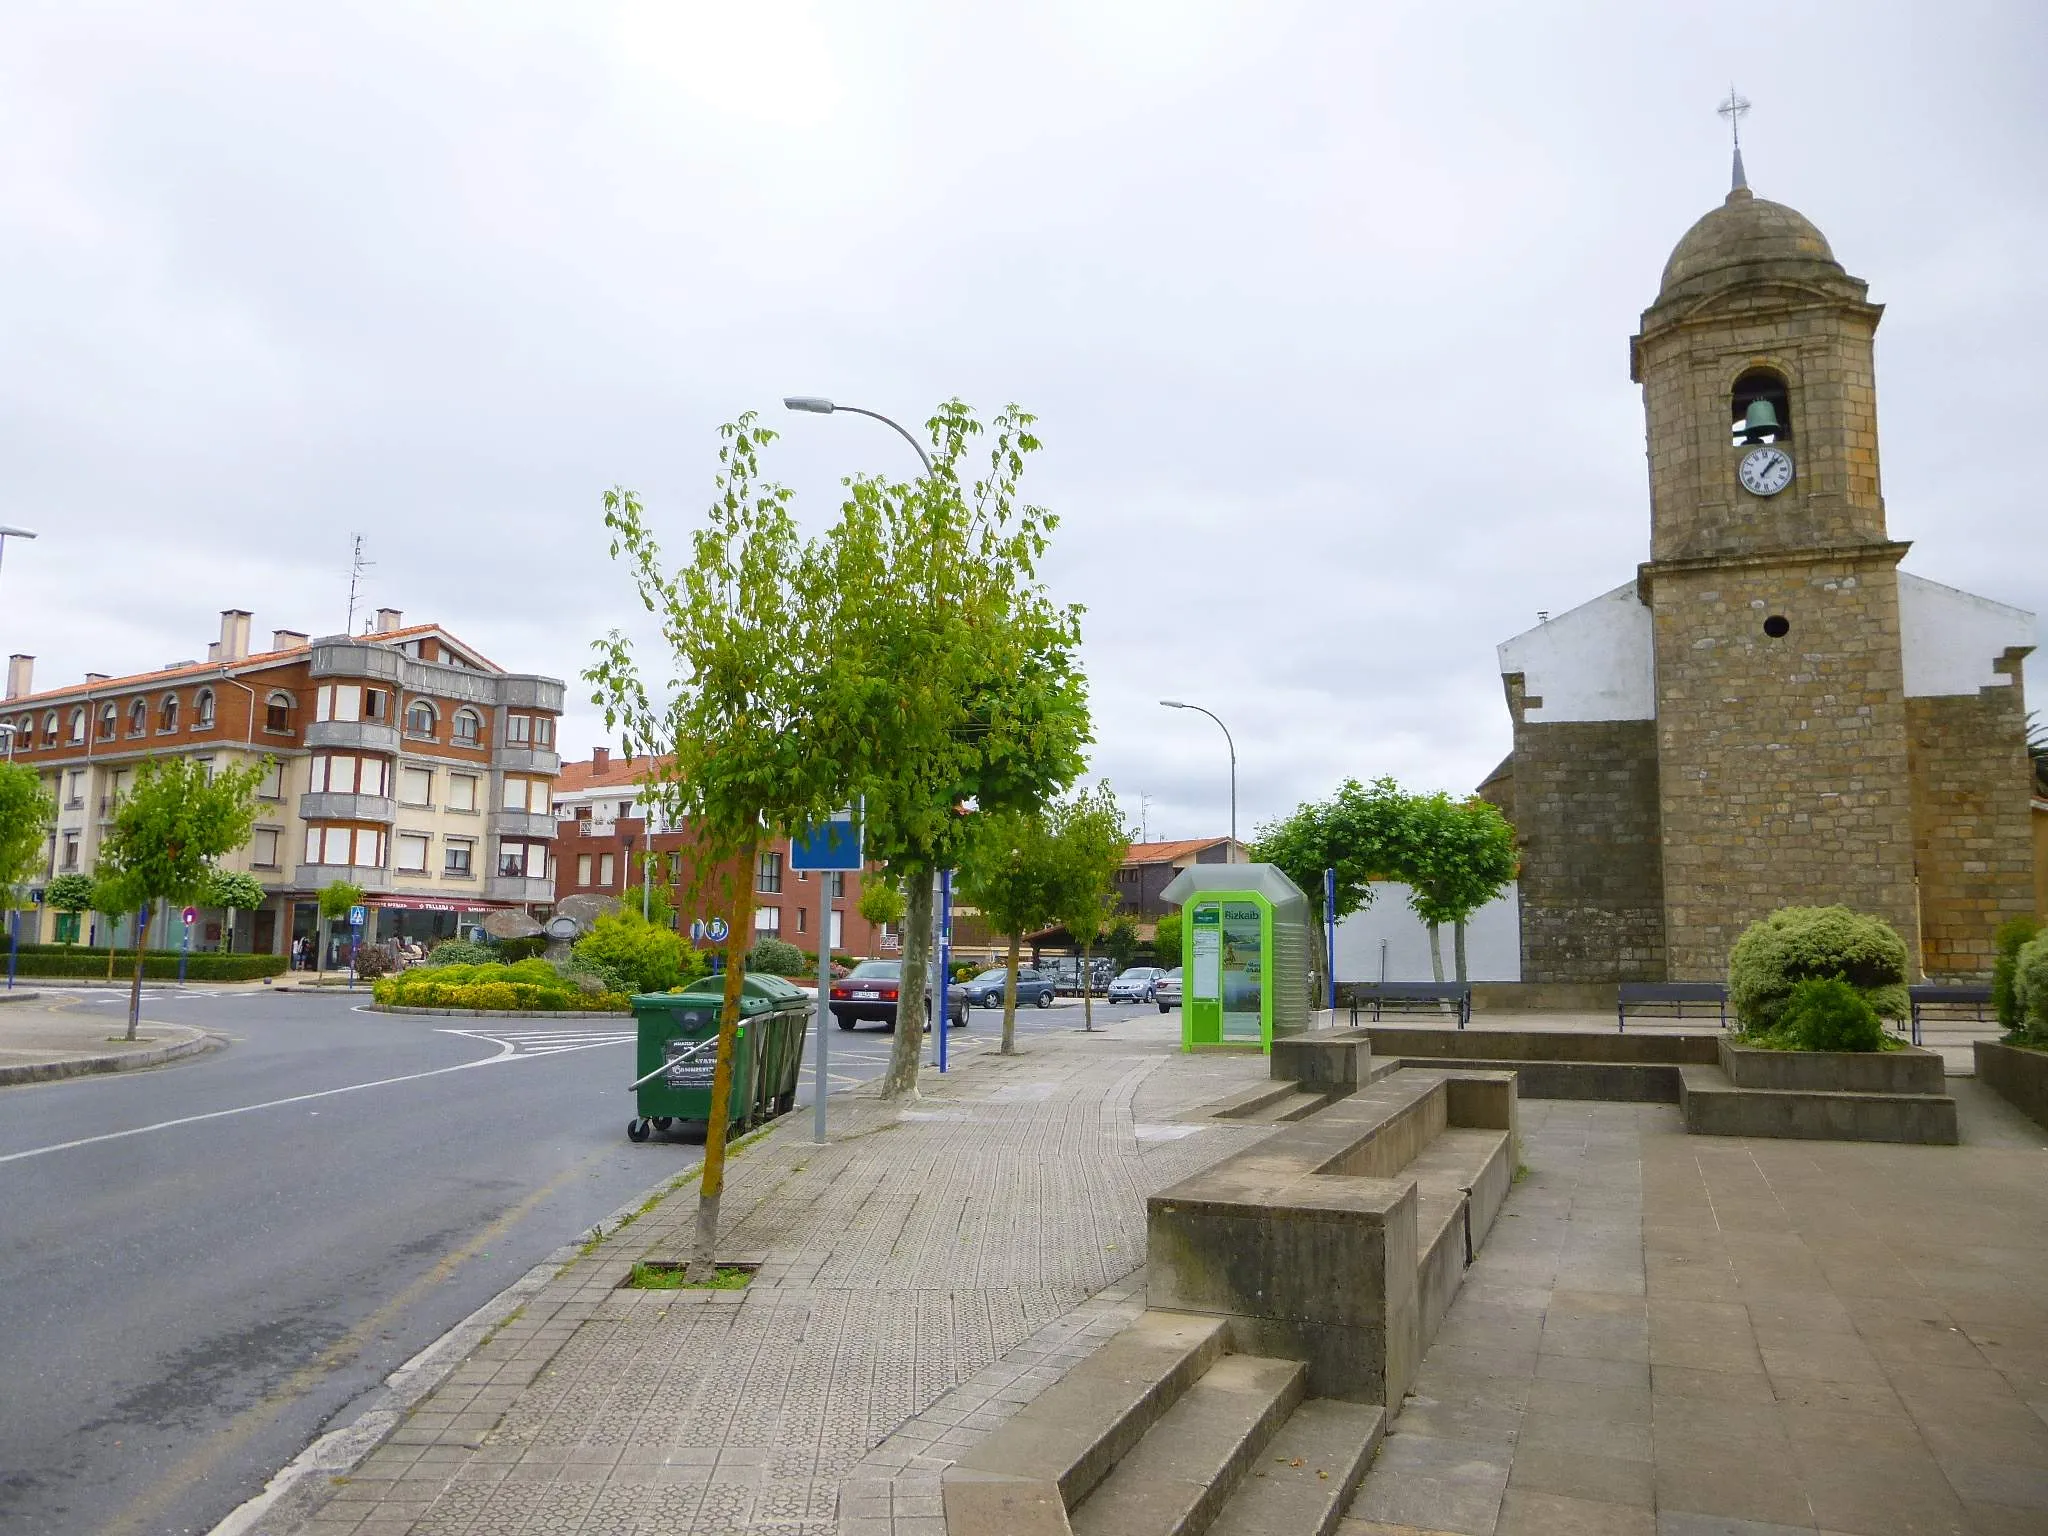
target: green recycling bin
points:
(678, 1050)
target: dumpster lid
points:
(754, 984)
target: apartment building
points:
(603, 844)
(402, 761)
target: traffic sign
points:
(831, 845)
(191, 916)
(357, 916)
(717, 929)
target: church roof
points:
(1747, 237)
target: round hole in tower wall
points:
(1777, 626)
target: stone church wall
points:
(1592, 887)
(1972, 840)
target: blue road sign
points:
(357, 916)
(831, 845)
(717, 929)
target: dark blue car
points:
(986, 990)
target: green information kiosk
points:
(1244, 954)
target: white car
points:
(1166, 991)
(1135, 985)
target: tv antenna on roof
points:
(356, 566)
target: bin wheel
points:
(1045, 999)
(786, 1102)
(637, 1130)
(662, 1123)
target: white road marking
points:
(506, 1054)
(545, 1042)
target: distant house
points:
(1147, 868)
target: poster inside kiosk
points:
(1245, 935)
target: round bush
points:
(1796, 944)
(2030, 988)
(373, 961)
(2011, 938)
(1827, 1014)
(778, 958)
(461, 952)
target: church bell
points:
(1761, 422)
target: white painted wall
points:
(1493, 940)
(1950, 638)
(1592, 663)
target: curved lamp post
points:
(817, 405)
(7, 533)
(1177, 704)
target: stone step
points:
(1309, 1473)
(1298, 1105)
(1173, 1482)
(1713, 1105)
(1074, 1432)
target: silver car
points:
(1166, 991)
(1135, 985)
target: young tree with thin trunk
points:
(1090, 839)
(962, 688)
(1458, 855)
(27, 811)
(1009, 874)
(167, 832)
(337, 899)
(1360, 832)
(747, 747)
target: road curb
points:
(499, 1013)
(122, 1061)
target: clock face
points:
(1765, 471)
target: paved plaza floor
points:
(1670, 1334)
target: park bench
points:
(1668, 994)
(1410, 997)
(1950, 998)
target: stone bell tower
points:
(1773, 590)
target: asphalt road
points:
(205, 1266)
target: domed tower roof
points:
(1746, 239)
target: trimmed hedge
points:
(54, 960)
(527, 986)
(2030, 989)
(1796, 944)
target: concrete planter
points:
(1912, 1070)
(2017, 1075)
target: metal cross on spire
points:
(1733, 109)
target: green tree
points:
(881, 900)
(1166, 941)
(962, 682)
(747, 745)
(26, 813)
(166, 834)
(233, 892)
(1362, 832)
(336, 898)
(1090, 839)
(1120, 940)
(70, 892)
(1009, 874)
(1457, 855)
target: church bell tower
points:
(1773, 589)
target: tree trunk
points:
(904, 1050)
(1087, 989)
(1436, 952)
(320, 947)
(1010, 999)
(704, 1255)
(1458, 947)
(227, 934)
(135, 984)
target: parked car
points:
(1033, 987)
(1166, 991)
(1135, 985)
(868, 993)
(1066, 975)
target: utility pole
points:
(356, 566)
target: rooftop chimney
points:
(389, 620)
(94, 679)
(600, 759)
(213, 650)
(287, 640)
(21, 672)
(234, 636)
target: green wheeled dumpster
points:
(679, 1048)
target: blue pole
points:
(945, 958)
(184, 949)
(13, 943)
(1330, 936)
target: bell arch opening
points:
(1761, 408)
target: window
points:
(838, 929)
(338, 701)
(512, 794)
(272, 785)
(415, 786)
(412, 852)
(767, 919)
(520, 860)
(205, 768)
(202, 710)
(582, 871)
(768, 876)
(343, 846)
(800, 918)
(675, 868)
(74, 789)
(342, 773)
(469, 728)
(376, 704)
(543, 731)
(78, 727)
(519, 730)
(607, 869)
(167, 713)
(1761, 408)
(420, 718)
(461, 791)
(138, 718)
(110, 716)
(70, 851)
(455, 857)
(264, 849)
(837, 880)
(50, 729)
(277, 713)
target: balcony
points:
(323, 806)
(518, 888)
(531, 760)
(311, 877)
(523, 691)
(522, 824)
(355, 735)
(352, 660)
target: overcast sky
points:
(1324, 309)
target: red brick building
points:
(603, 843)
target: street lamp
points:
(17, 533)
(818, 405)
(1176, 704)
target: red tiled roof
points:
(618, 771)
(1169, 853)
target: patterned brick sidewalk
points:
(919, 1274)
